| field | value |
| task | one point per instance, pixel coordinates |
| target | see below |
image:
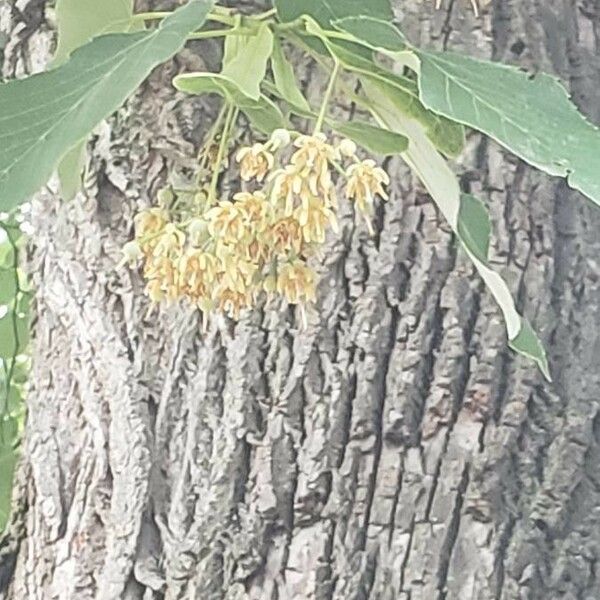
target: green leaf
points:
(8, 286)
(69, 171)
(374, 139)
(8, 461)
(528, 344)
(448, 136)
(474, 228)
(442, 185)
(375, 33)
(10, 345)
(245, 60)
(263, 114)
(530, 115)
(327, 11)
(285, 79)
(78, 21)
(6, 252)
(43, 116)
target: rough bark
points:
(393, 450)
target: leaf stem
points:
(215, 33)
(327, 98)
(151, 16)
(266, 14)
(229, 120)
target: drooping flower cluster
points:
(223, 255)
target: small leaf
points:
(10, 345)
(8, 286)
(374, 139)
(474, 228)
(69, 171)
(43, 116)
(245, 60)
(6, 252)
(285, 79)
(8, 461)
(262, 112)
(528, 344)
(530, 115)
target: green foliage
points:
(374, 139)
(245, 60)
(78, 21)
(263, 113)
(46, 115)
(531, 115)
(14, 337)
(285, 79)
(327, 11)
(474, 227)
(418, 108)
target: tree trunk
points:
(393, 450)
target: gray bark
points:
(393, 450)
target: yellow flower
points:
(150, 221)
(226, 223)
(314, 218)
(171, 240)
(254, 209)
(365, 180)
(296, 282)
(312, 161)
(285, 236)
(232, 302)
(197, 271)
(255, 162)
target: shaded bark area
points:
(393, 450)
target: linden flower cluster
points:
(223, 257)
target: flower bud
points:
(280, 138)
(347, 148)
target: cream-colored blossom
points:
(365, 181)
(255, 162)
(226, 222)
(296, 282)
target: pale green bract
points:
(44, 116)
(245, 60)
(263, 114)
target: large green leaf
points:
(443, 187)
(262, 112)
(327, 11)
(14, 334)
(374, 32)
(531, 115)
(45, 115)
(78, 21)
(245, 59)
